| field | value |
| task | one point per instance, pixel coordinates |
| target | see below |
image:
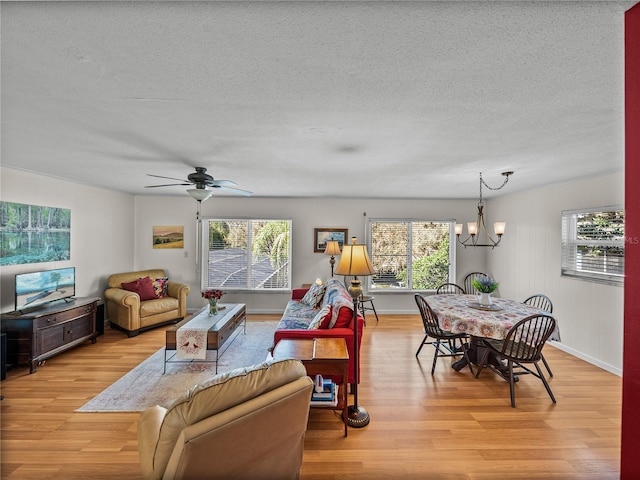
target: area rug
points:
(145, 385)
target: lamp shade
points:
(200, 194)
(355, 261)
(333, 248)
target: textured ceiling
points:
(321, 99)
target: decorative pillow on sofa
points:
(338, 297)
(344, 318)
(143, 287)
(314, 296)
(161, 287)
(322, 319)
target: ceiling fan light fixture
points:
(200, 194)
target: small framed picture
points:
(168, 237)
(322, 235)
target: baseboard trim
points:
(586, 358)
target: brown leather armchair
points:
(245, 424)
(127, 312)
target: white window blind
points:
(410, 254)
(593, 244)
(246, 254)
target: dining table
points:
(458, 313)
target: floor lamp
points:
(333, 248)
(355, 262)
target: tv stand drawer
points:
(62, 316)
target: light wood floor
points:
(445, 426)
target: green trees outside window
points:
(410, 254)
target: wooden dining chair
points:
(445, 342)
(543, 303)
(523, 344)
(468, 282)
(450, 288)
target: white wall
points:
(307, 214)
(590, 315)
(111, 232)
(101, 230)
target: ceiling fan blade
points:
(236, 190)
(170, 178)
(222, 183)
(167, 185)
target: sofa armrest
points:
(148, 434)
(179, 291)
(298, 293)
(122, 297)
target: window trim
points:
(452, 252)
(569, 243)
(204, 263)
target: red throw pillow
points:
(345, 315)
(325, 323)
(143, 287)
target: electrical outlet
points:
(186, 254)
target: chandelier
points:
(476, 228)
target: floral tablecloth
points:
(456, 315)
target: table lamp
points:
(333, 248)
(355, 262)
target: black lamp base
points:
(357, 417)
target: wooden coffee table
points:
(321, 356)
(233, 316)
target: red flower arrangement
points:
(208, 294)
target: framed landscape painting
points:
(34, 233)
(168, 237)
(322, 235)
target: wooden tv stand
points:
(35, 336)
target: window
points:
(411, 254)
(593, 245)
(246, 254)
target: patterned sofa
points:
(320, 312)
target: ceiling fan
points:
(202, 182)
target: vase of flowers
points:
(486, 286)
(213, 296)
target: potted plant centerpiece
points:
(486, 286)
(213, 296)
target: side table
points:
(321, 356)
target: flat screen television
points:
(37, 288)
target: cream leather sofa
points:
(126, 312)
(245, 424)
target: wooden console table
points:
(233, 316)
(321, 356)
(35, 336)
